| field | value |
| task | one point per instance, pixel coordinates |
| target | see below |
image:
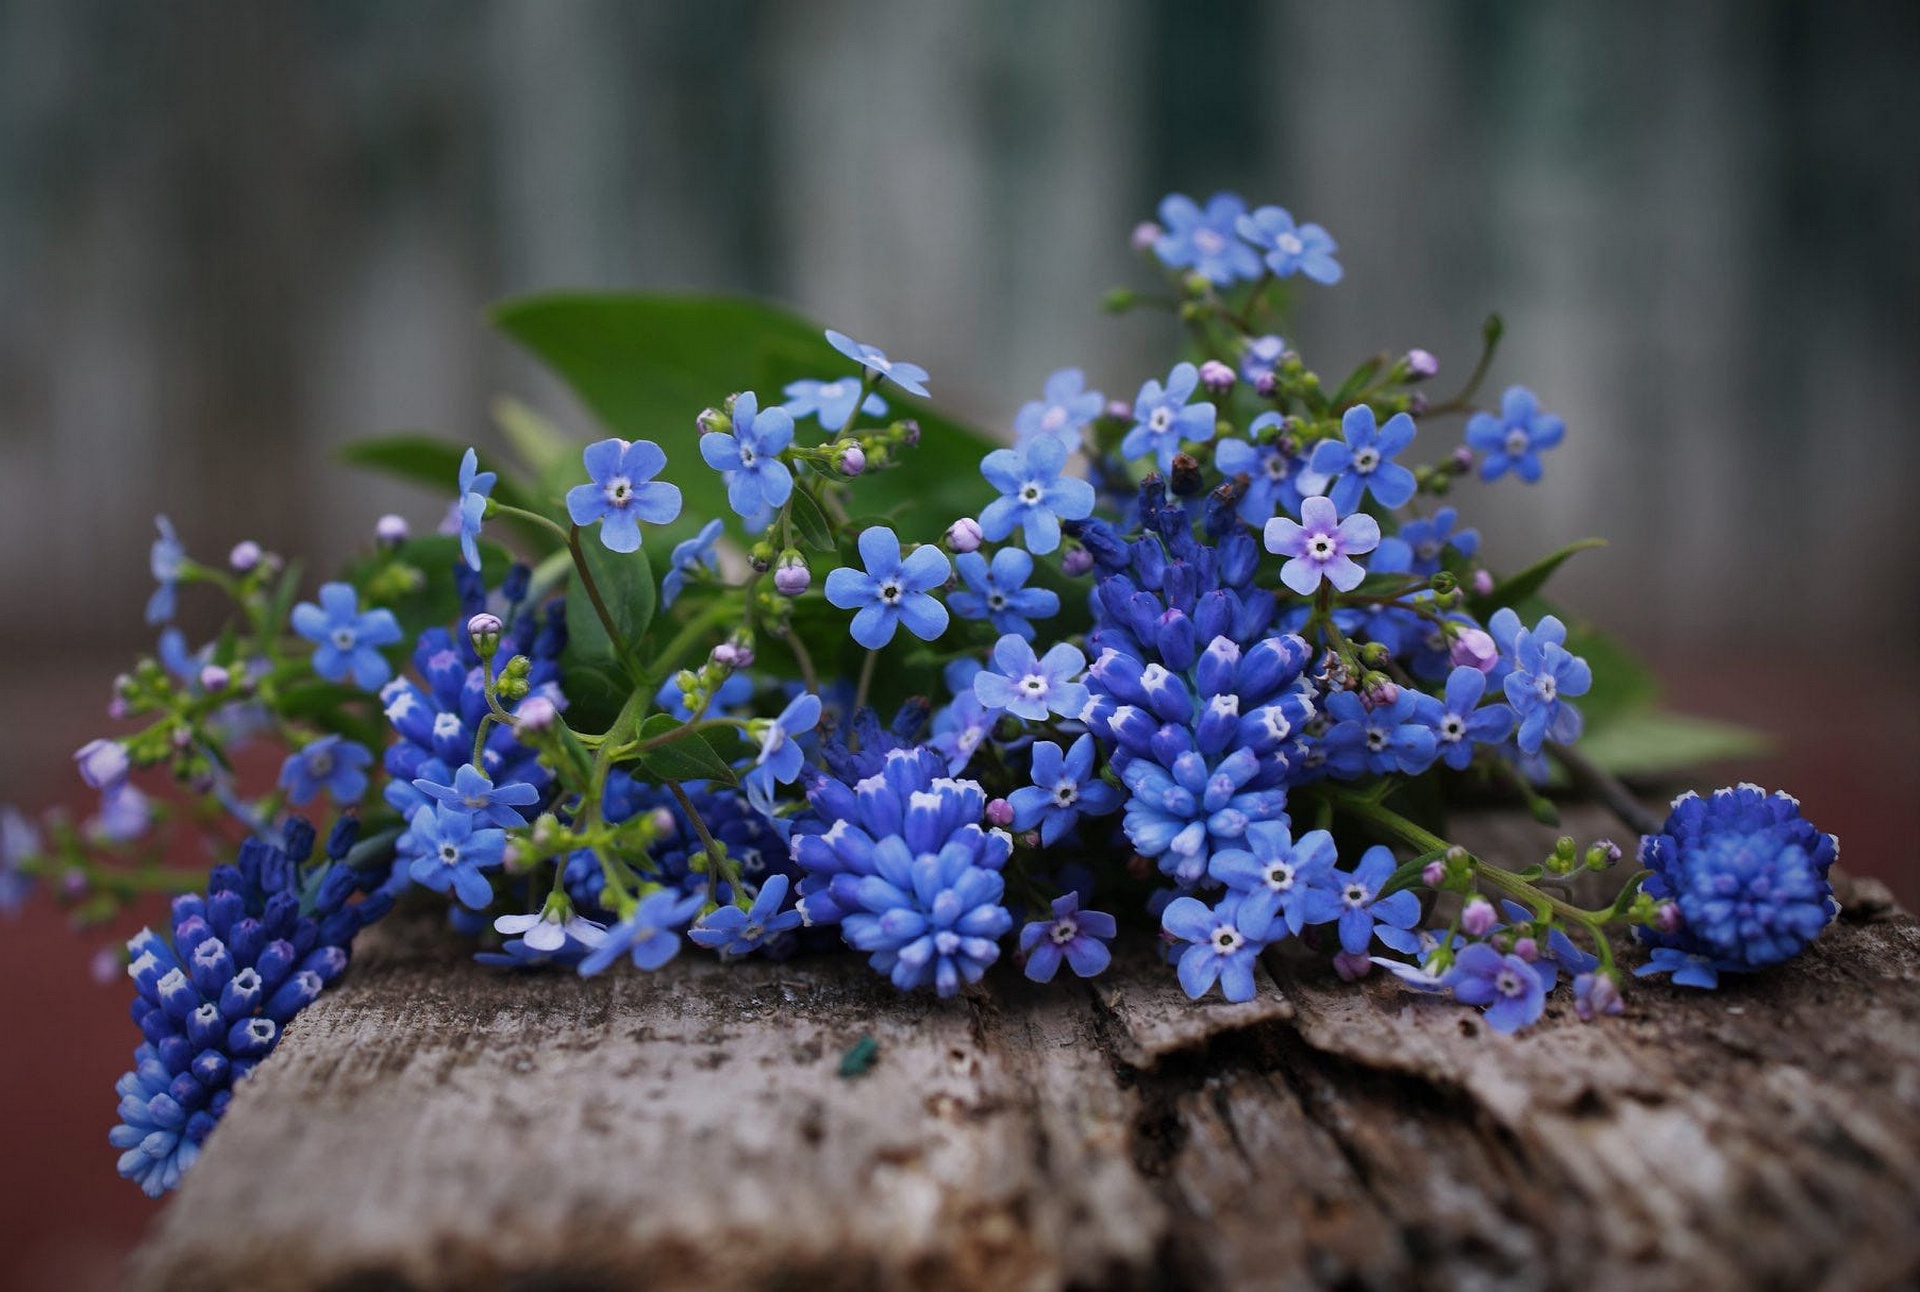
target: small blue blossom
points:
(1076, 936)
(757, 480)
(1514, 440)
(1291, 249)
(473, 791)
(964, 724)
(1276, 876)
(734, 932)
(690, 556)
(1420, 545)
(1459, 722)
(1273, 478)
(1034, 496)
(1362, 460)
(779, 759)
(1362, 907)
(449, 852)
(331, 763)
(1206, 241)
(166, 559)
(1505, 986)
(103, 764)
(1321, 545)
(1031, 686)
(892, 591)
(998, 593)
(19, 844)
(1065, 788)
(1260, 357)
(124, 815)
(470, 509)
(908, 376)
(345, 640)
(1748, 875)
(830, 401)
(1163, 419)
(1544, 675)
(1062, 413)
(623, 492)
(1222, 946)
(1386, 738)
(649, 935)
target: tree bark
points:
(432, 1124)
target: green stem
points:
(593, 590)
(866, 681)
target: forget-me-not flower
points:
(779, 758)
(1361, 905)
(997, 591)
(1207, 241)
(345, 640)
(650, 936)
(331, 763)
(1545, 673)
(451, 850)
(831, 402)
(1222, 946)
(757, 480)
(1514, 440)
(1387, 738)
(165, 559)
(1459, 721)
(624, 492)
(690, 555)
(1076, 936)
(474, 791)
(1032, 686)
(1322, 545)
(1273, 477)
(1033, 494)
(910, 377)
(1362, 460)
(471, 507)
(1291, 248)
(1064, 788)
(734, 932)
(1420, 545)
(891, 591)
(1062, 413)
(1505, 986)
(1279, 877)
(1163, 419)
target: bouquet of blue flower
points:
(815, 668)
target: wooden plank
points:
(436, 1125)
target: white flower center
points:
(1065, 930)
(996, 601)
(1227, 939)
(1508, 983)
(449, 854)
(1030, 493)
(1160, 419)
(1066, 793)
(1290, 244)
(1452, 728)
(1366, 460)
(1209, 242)
(1276, 466)
(1034, 684)
(1376, 739)
(1321, 547)
(1355, 894)
(319, 762)
(1517, 442)
(1278, 876)
(343, 638)
(1546, 688)
(747, 457)
(1053, 419)
(619, 491)
(890, 592)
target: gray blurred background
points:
(234, 235)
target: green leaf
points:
(1517, 588)
(540, 444)
(1650, 742)
(811, 522)
(704, 754)
(434, 463)
(1621, 683)
(646, 365)
(598, 671)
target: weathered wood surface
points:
(435, 1125)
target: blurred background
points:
(234, 236)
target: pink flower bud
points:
(244, 556)
(1000, 812)
(1119, 410)
(732, 655)
(214, 678)
(1434, 874)
(792, 577)
(1265, 383)
(536, 713)
(103, 763)
(1216, 377)
(1076, 562)
(853, 460)
(105, 968)
(1527, 949)
(1463, 459)
(391, 529)
(663, 822)
(1352, 965)
(1667, 917)
(1482, 583)
(484, 631)
(1478, 918)
(1474, 648)
(964, 535)
(1145, 234)
(1421, 365)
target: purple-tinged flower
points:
(908, 376)
(689, 557)
(891, 591)
(649, 935)
(1362, 460)
(166, 559)
(734, 932)
(1274, 477)
(830, 401)
(1389, 737)
(19, 844)
(1222, 945)
(124, 815)
(331, 763)
(1505, 986)
(1031, 686)
(1595, 994)
(624, 492)
(449, 852)
(1206, 241)
(757, 480)
(853, 459)
(1034, 496)
(1062, 413)
(1163, 419)
(1473, 648)
(780, 757)
(1363, 910)
(1291, 249)
(103, 764)
(345, 640)
(1514, 440)
(1065, 787)
(1459, 722)
(1544, 675)
(1076, 936)
(1217, 377)
(1478, 918)
(1321, 545)
(964, 724)
(1421, 365)
(473, 791)
(471, 506)
(997, 592)
(1276, 876)
(1421, 544)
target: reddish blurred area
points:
(67, 1221)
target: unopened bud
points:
(1421, 365)
(391, 530)
(910, 432)
(1000, 812)
(1443, 581)
(103, 764)
(535, 714)
(1482, 583)
(1352, 965)
(1185, 478)
(1478, 917)
(1474, 648)
(732, 655)
(1667, 917)
(792, 577)
(1462, 459)
(760, 556)
(244, 556)
(965, 535)
(1265, 383)
(214, 678)
(1375, 654)
(662, 822)
(1527, 949)
(1417, 403)
(1076, 561)
(1144, 235)
(853, 460)
(1434, 874)
(1602, 853)
(1216, 377)
(712, 421)
(1119, 410)
(483, 630)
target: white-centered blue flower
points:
(910, 377)
(1062, 413)
(1031, 686)
(346, 642)
(831, 402)
(1361, 461)
(1305, 249)
(1163, 419)
(476, 486)
(166, 559)
(1206, 240)
(757, 480)
(624, 492)
(1033, 493)
(1514, 440)
(997, 591)
(891, 591)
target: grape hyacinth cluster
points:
(1202, 664)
